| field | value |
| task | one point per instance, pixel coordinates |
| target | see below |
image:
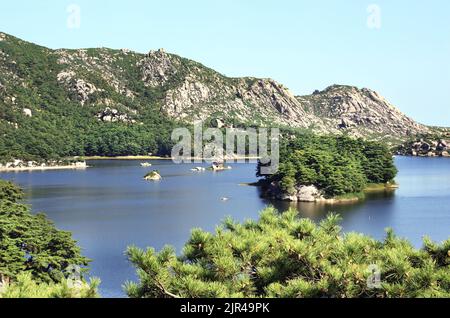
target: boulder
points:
(217, 123)
(113, 115)
(27, 112)
(153, 176)
(308, 194)
(445, 154)
(425, 147)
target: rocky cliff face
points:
(121, 86)
(361, 112)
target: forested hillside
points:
(59, 103)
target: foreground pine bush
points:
(26, 287)
(282, 255)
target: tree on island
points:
(337, 166)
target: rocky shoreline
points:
(311, 194)
(20, 165)
(426, 147)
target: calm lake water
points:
(109, 207)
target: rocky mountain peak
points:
(157, 67)
(360, 112)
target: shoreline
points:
(352, 198)
(159, 158)
(24, 169)
(346, 199)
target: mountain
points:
(115, 102)
(361, 112)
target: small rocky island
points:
(329, 169)
(153, 176)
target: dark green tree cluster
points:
(282, 255)
(31, 243)
(336, 165)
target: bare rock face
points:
(247, 99)
(80, 89)
(302, 193)
(157, 68)
(268, 94)
(360, 111)
(190, 94)
(308, 194)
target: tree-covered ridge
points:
(282, 255)
(336, 165)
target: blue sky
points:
(305, 45)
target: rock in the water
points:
(153, 176)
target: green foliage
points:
(31, 243)
(336, 165)
(282, 255)
(60, 125)
(9, 191)
(26, 287)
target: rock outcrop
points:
(425, 147)
(153, 176)
(360, 112)
(157, 68)
(301, 193)
(27, 112)
(112, 115)
(80, 90)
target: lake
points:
(109, 206)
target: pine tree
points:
(282, 255)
